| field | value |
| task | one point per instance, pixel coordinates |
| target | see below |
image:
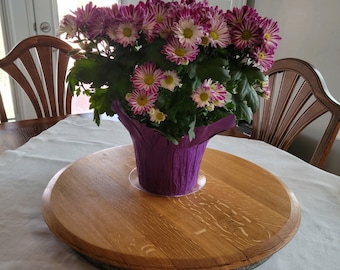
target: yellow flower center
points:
(180, 51)
(188, 33)
(267, 36)
(204, 96)
(261, 55)
(149, 79)
(127, 96)
(142, 100)
(127, 32)
(169, 79)
(214, 35)
(238, 21)
(246, 35)
(160, 116)
(159, 19)
(205, 41)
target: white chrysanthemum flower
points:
(171, 80)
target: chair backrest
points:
(3, 115)
(299, 96)
(39, 65)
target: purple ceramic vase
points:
(164, 168)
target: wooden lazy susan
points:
(239, 218)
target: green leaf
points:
(191, 70)
(243, 112)
(126, 58)
(101, 103)
(119, 84)
(253, 100)
(242, 87)
(214, 68)
(73, 82)
(191, 131)
(152, 52)
(253, 74)
(91, 70)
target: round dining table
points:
(30, 173)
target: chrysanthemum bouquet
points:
(172, 66)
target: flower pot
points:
(162, 167)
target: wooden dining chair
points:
(299, 96)
(38, 64)
(3, 115)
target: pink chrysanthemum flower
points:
(159, 9)
(264, 59)
(213, 13)
(164, 29)
(141, 101)
(171, 80)
(97, 23)
(270, 34)
(147, 77)
(84, 15)
(148, 27)
(112, 13)
(222, 103)
(179, 53)
(205, 40)
(189, 9)
(266, 88)
(68, 25)
(202, 96)
(111, 32)
(132, 14)
(156, 115)
(219, 34)
(125, 33)
(218, 91)
(237, 15)
(246, 34)
(187, 32)
(262, 88)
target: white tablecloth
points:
(27, 243)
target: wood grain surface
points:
(241, 216)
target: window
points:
(5, 87)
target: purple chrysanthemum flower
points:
(159, 9)
(85, 14)
(97, 23)
(246, 34)
(132, 14)
(237, 15)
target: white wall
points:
(310, 31)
